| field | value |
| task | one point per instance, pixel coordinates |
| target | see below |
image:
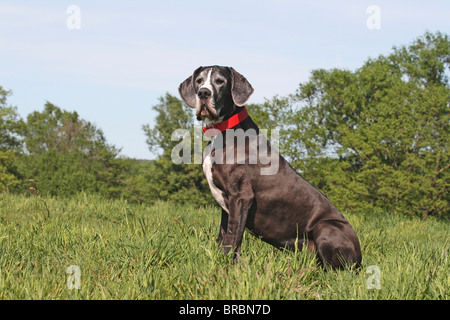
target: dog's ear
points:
(187, 91)
(241, 89)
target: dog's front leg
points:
(223, 227)
(237, 218)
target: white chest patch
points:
(216, 192)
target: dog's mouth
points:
(205, 110)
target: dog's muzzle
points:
(205, 108)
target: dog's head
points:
(215, 92)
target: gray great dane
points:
(280, 207)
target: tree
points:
(172, 115)
(67, 154)
(165, 180)
(379, 136)
(63, 131)
(11, 130)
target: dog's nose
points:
(204, 93)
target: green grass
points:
(128, 251)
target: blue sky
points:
(127, 54)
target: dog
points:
(280, 207)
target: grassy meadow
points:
(165, 251)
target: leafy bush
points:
(379, 136)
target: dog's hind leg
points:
(337, 244)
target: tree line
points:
(375, 137)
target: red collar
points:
(227, 124)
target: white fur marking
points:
(216, 192)
(208, 84)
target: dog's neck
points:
(246, 124)
(235, 120)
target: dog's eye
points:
(199, 80)
(219, 81)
